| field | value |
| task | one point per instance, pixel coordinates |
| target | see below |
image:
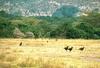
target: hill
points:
(45, 7)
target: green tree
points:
(93, 18)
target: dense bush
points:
(87, 27)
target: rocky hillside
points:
(44, 7)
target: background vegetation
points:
(85, 27)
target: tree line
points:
(83, 27)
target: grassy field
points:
(49, 53)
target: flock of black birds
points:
(71, 48)
(66, 48)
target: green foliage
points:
(5, 15)
(85, 27)
(6, 30)
(75, 33)
(93, 18)
(97, 33)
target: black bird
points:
(82, 48)
(70, 49)
(20, 44)
(66, 48)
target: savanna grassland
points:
(43, 38)
(49, 53)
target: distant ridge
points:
(44, 7)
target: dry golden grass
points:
(49, 53)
